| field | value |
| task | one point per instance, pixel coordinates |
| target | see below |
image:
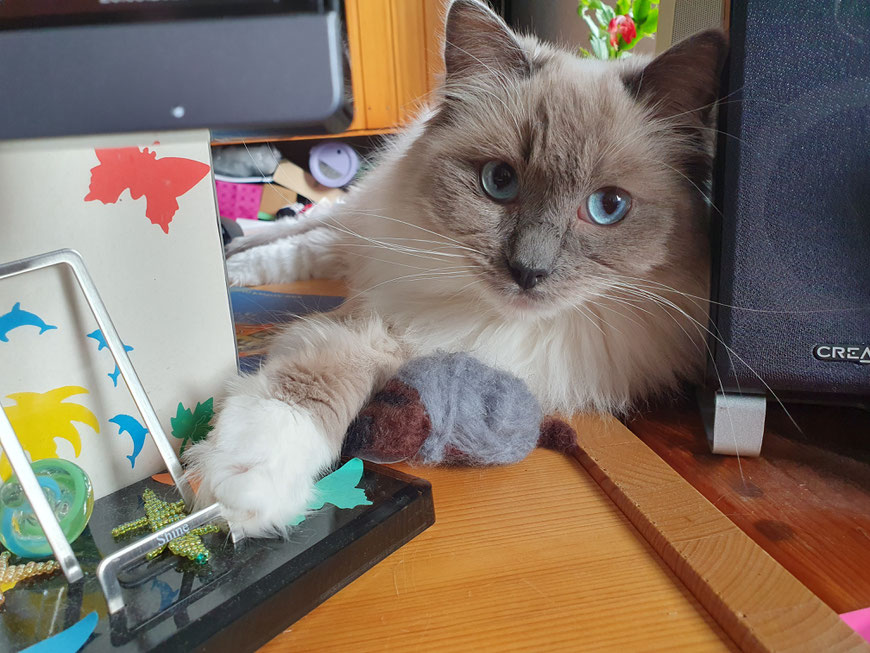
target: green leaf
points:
(640, 11)
(599, 47)
(602, 20)
(594, 30)
(583, 52)
(651, 24)
(588, 4)
(192, 426)
(622, 7)
(608, 12)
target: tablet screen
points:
(25, 14)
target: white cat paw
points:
(245, 269)
(260, 463)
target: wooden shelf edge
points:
(309, 137)
(759, 604)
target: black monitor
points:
(236, 66)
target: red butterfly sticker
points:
(161, 181)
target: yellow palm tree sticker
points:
(40, 417)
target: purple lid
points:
(333, 163)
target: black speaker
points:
(791, 244)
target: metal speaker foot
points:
(734, 423)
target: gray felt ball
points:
(479, 415)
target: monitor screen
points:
(24, 14)
(72, 67)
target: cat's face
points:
(563, 175)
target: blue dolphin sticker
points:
(132, 426)
(18, 318)
(101, 344)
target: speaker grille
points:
(692, 16)
(796, 197)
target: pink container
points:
(238, 200)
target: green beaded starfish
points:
(159, 514)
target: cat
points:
(546, 214)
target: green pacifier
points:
(70, 495)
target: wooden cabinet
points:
(395, 50)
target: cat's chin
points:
(518, 305)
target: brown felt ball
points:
(391, 427)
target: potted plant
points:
(614, 31)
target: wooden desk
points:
(528, 557)
(536, 556)
(806, 500)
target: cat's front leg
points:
(279, 429)
(299, 257)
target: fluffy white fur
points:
(422, 281)
(261, 448)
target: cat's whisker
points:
(665, 302)
(434, 242)
(605, 306)
(592, 305)
(415, 226)
(423, 276)
(493, 72)
(730, 417)
(415, 267)
(454, 89)
(588, 318)
(464, 288)
(692, 340)
(718, 376)
(410, 251)
(718, 336)
(421, 255)
(848, 309)
(708, 199)
(697, 301)
(717, 102)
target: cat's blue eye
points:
(607, 205)
(499, 181)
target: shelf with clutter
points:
(394, 52)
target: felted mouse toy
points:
(453, 409)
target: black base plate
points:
(242, 598)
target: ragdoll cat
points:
(546, 214)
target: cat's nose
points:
(527, 277)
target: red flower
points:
(623, 25)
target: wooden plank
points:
(409, 55)
(532, 557)
(755, 600)
(325, 287)
(307, 137)
(383, 131)
(435, 13)
(379, 74)
(357, 69)
(806, 500)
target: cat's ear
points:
(478, 43)
(683, 80)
